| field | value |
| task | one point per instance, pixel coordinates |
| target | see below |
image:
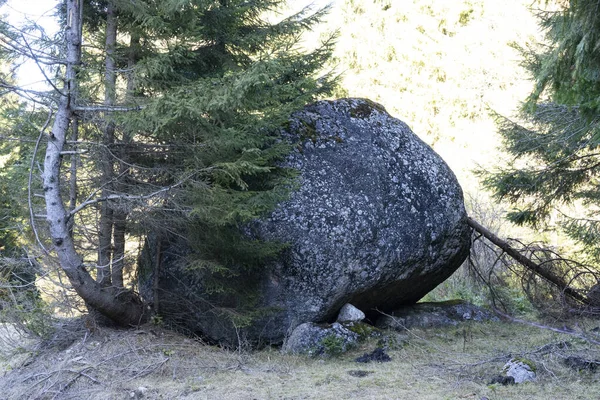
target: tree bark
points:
(120, 306)
(120, 216)
(527, 263)
(105, 225)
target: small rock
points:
(349, 313)
(519, 370)
(594, 294)
(314, 339)
(378, 355)
(138, 393)
(550, 347)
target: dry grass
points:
(450, 363)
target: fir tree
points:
(225, 91)
(166, 118)
(555, 145)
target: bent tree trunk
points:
(121, 306)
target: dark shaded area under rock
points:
(433, 315)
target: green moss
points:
(308, 131)
(527, 362)
(333, 345)
(364, 331)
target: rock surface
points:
(377, 220)
(320, 340)
(433, 315)
(582, 364)
(349, 313)
(519, 370)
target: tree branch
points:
(35, 59)
(103, 108)
(550, 328)
(529, 264)
(30, 179)
(123, 197)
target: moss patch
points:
(363, 330)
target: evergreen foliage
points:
(555, 144)
(230, 81)
(20, 303)
(206, 85)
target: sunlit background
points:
(440, 66)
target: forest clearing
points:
(226, 199)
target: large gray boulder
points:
(377, 221)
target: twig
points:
(148, 369)
(124, 197)
(40, 67)
(77, 375)
(29, 183)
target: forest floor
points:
(154, 363)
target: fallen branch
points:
(529, 264)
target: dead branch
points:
(37, 62)
(124, 197)
(30, 179)
(104, 108)
(529, 264)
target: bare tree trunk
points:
(118, 262)
(105, 226)
(527, 263)
(120, 216)
(156, 281)
(122, 307)
(73, 173)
